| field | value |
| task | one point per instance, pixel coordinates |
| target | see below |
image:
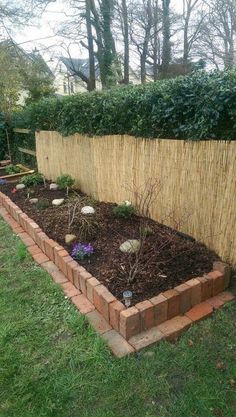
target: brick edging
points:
(95, 299)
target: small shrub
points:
(65, 182)
(12, 169)
(81, 251)
(43, 204)
(31, 180)
(124, 210)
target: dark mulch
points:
(168, 259)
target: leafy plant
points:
(124, 210)
(43, 204)
(65, 182)
(12, 169)
(198, 106)
(81, 251)
(32, 179)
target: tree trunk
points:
(92, 76)
(126, 41)
(166, 48)
(155, 41)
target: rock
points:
(126, 203)
(87, 210)
(69, 239)
(20, 186)
(130, 246)
(53, 186)
(33, 200)
(58, 202)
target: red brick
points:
(185, 297)
(102, 298)
(40, 239)
(215, 302)
(76, 278)
(83, 278)
(200, 311)
(119, 346)
(18, 230)
(70, 270)
(91, 283)
(49, 245)
(173, 303)
(218, 281)
(146, 310)
(206, 287)
(98, 322)
(174, 327)
(33, 228)
(34, 249)
(160, 308)
(83, 304)
(115, 309)
(224, 269)
(147, 338)
(129, 322)
(196, 294)
(226, 296)
(59, 277)
(58, 253)
(50, 267)
(40, 258)
(70, 290)
(28, 241)
(63, 261)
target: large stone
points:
(20, 186)
(53, 186)
(58, 202)
(70, 239)
(130, 246)
(33, 200)
(87, 210)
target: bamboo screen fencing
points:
(198, 178)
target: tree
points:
(193, 20)
(218, 32)
(166, 46)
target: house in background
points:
(68, 82)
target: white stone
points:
(130, 246)
(53, 186)
(20, 186)
(70, 238)
(33, 200)
(127, 203)
(58, 201)
(87, 210)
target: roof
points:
(75, 65)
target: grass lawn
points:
(52, 364)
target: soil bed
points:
(168, 258)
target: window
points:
(65, 87)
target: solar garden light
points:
(127, 296)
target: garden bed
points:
(169, 258)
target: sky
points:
(41, 34)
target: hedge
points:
(198, 106)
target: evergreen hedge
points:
(198, 106)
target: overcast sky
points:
(42, 34)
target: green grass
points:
(52, 364)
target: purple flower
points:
(82, 250)
(3, 181)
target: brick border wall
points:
(183, 300)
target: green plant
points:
(32, 179)
(198, 106)
(12, 169)
(43, 204)
(124, 210)
(65, 182)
